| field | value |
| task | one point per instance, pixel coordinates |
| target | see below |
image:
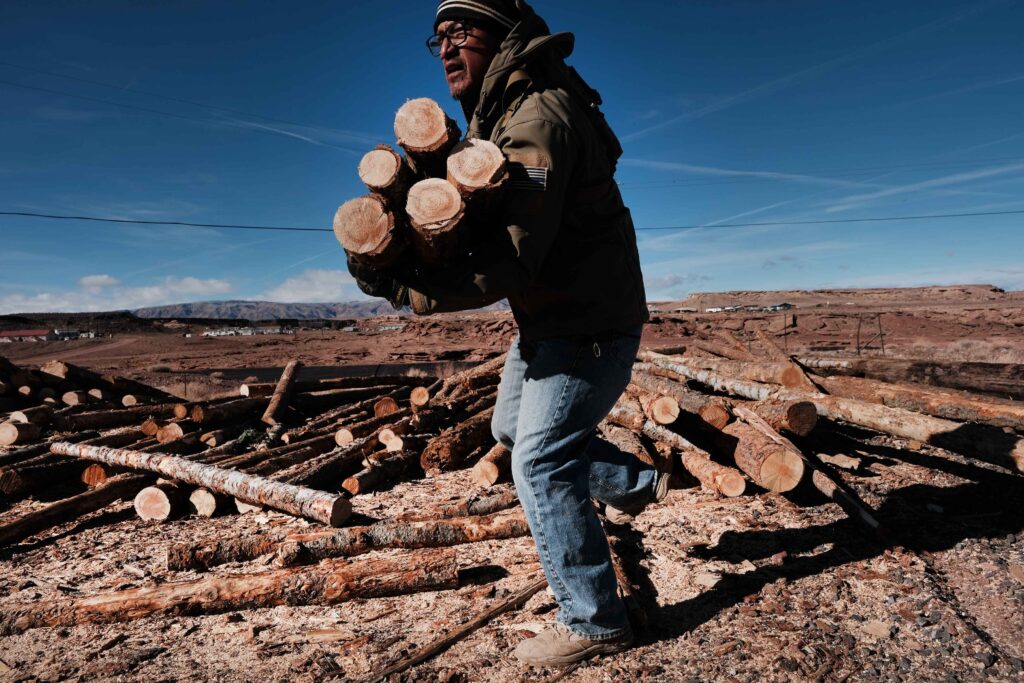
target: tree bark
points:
(224, 412)
(326, 584)
(1005, 379)
(116, 488)
(395, 466)
(930, 401)
(316, 505)
(450, 450)
(409, 535)
(106, 419)
(492, 467)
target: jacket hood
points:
(529, 40)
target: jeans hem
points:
(617, 634)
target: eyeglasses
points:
(457, 33)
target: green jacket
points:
(564, 250)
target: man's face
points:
(466, 65)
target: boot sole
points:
(592, 651)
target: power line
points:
(228, 226)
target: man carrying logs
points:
(562, 249)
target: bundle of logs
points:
(716, 416)
(421, 204)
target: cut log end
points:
(715, 415)
(802, 417)
(364, 227)
(434, 205)
(731, 484)
(380, 168)
(94, 475)
(419, 397)
(207, 504)
(422, 126)
(476, 165)
(781, 471)
(384, 407)
(341, 510)
(386, 436)
(157, 504)
(343, 437)
(664, 410)
(395, 444)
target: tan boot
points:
(617, 516)
(559, 645)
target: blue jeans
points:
(552, 396)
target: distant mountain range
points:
(269, 310)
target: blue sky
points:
(730, 112)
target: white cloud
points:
(98, 281)
(316, 286)
(112, 295)
(944, 181)
(732, 172)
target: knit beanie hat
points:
(496, 16)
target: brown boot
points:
(559, 645)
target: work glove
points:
(379, 283)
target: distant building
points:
(714, 309)
(26, 335)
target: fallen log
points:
(224, 412)
(95, 474)
(771, 347)
(784, 373)
(206, 503)
(491, 368)
(627, 441)
(770, 465)
(1006, 379)
(718, 349)
(718, 479)
(173, 431)
(14, 433)
(396, 465)
(985, 443)
(160, 503)
(819, 476)
(408, 535)
(63, 511)
(661, 408)
(797, 417)
(328, 468)
(76, 398)
(930, 401)
(383, 384)
(316, 505)
(211, 553)
(325, 584)
(40, 416)
(114, 383)
(450, 450)
(711, 409)
(490, 468)
(20, 455)
(282, 394)
(106, 419)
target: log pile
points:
(735, 427)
